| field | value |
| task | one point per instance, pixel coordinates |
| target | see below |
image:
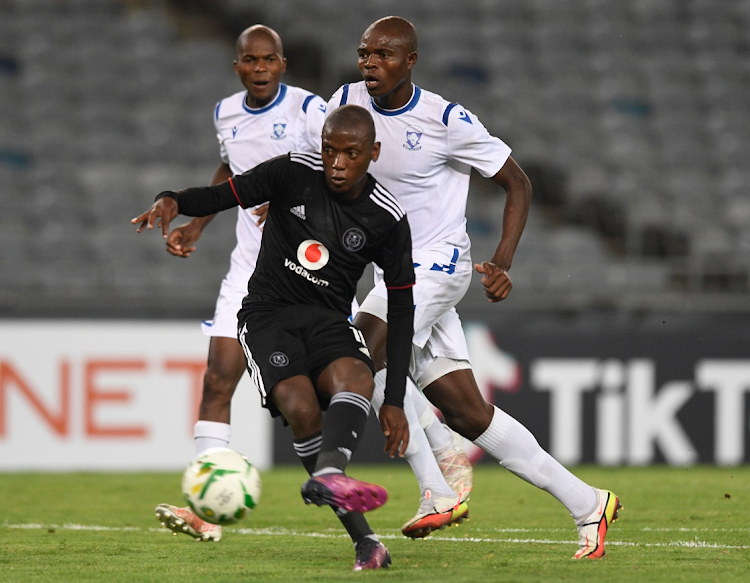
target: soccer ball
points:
(220, 485)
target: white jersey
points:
(428, 148)
(292, 122)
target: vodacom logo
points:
(312, 254)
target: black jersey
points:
(315, 245)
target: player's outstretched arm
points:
(181, 241)
(192, 202)
(160, 214)
(495, 278)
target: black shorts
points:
(295, 340)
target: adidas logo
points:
(298, 211)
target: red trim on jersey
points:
(401, 287)
(235, 193)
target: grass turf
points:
(678, 525)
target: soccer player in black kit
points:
(328, 219)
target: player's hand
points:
(160, 214)
(496, 281)
(262, 213)
(181, 241)
(396, 430)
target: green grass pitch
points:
(678, 524)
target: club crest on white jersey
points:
(312, 254)
(413, 138)
(279, 129)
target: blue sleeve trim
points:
(447, 112)
(344, 95)
(307, 101)
(216, 113)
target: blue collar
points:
(279, 98)
(408, 107)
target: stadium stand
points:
(630, 116)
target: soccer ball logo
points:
(221, 485)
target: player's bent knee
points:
(218, 386)
(347, 374)
(299, 406)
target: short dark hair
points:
(352, 117)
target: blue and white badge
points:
(279, 129)
(413, 137)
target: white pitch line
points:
(72, 527)
(648, 529)
(645, 529)
(285, 532)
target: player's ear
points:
(411, 59)
(283, 65)
(236, 68)
(375, 151)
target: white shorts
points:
(233, 291)
(443, 273)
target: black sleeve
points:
(398, 343)
(255, 186)
(203, 200)
(395, 256)
(398, 272)
(263, 182)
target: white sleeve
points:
(314, 116)
(335, 101)
(470, 142)
(222, 147)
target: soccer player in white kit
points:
(265, 120)
(428, 147)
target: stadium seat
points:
(639, 104)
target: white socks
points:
(210, 434)
(418, 454)
(439, 435)
(518, 450)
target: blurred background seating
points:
(631, 117)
